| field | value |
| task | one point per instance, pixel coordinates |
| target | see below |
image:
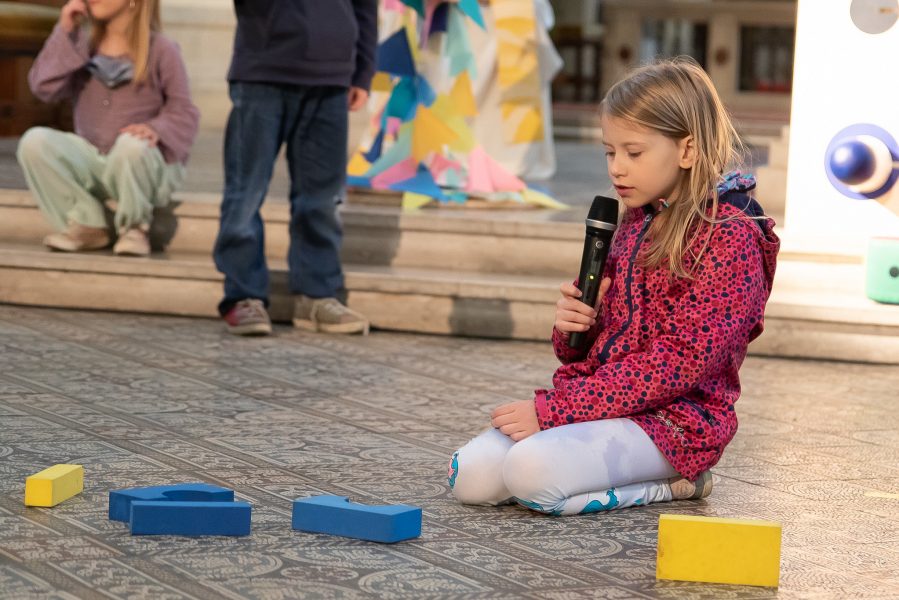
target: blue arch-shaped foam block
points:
(120, 500)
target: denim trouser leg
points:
(317, 155)
(253, 135)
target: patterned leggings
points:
(569, 470)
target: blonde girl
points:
(643, 412)
(134, 125)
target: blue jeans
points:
(312, 121)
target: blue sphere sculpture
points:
(852, 162)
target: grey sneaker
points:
(77, 237)
(684, 489)
(327, 315)
(133, 242)
(248, 317)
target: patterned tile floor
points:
(147, 400)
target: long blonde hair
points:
(676, 98)
(145, 21)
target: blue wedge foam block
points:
(170, 517)
(336, 515)
(120, 500)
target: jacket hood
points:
(733, 200)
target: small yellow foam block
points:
(54, 485)
(713, 550)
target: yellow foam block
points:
(713, 550)
(53, 485)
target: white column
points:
(205, 31)
(842, 76)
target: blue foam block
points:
(120, 500)
(336, 515)
(190, 518)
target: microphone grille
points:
(604, 209)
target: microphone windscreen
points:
(604, 209)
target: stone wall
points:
(205, 31)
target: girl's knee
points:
(475, 482)
(467, 488)
(528, 473)
(34, 145)
(129, 149)
(475, 473)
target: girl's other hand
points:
(517, 420)
(572, 314)
(73, 13)
(144, 132)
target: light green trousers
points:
(71, 179)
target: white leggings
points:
(568, 470)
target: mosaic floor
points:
(149, 400)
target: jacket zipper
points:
(604, 353)
(702, 411)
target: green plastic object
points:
(882, 270)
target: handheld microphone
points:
(602, 220)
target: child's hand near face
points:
(572, 314)
(143, 132)
(517, 420)
(72, 14)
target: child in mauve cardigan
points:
(642, 413)
(134, 125)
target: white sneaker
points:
(248, 317)
(133, 242)
(78, 237)
(327, 315)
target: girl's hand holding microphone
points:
(73, 13)
(572, 314)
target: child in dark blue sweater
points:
(298, 66)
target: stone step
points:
(437, 271)
(502, 241)
(834, 321)
(402, 299)
(537, 242)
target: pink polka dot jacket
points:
(666, 351)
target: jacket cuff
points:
(560, 337)
(542, 399)
(362, 80)
(75, 43)
(560, 347)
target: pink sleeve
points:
(178, 121)
(52, 75)
(711, 327)
(569, 355)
